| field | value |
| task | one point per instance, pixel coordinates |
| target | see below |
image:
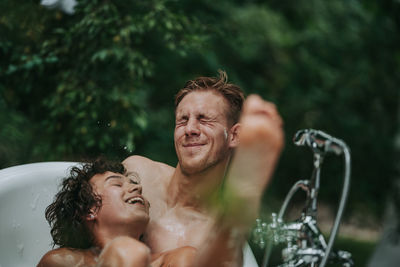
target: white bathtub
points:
(25, 192)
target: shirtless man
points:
(97, 219)
(206, 134)
(183, 215)
(99, 216)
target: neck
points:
(195, 189)
(103, 235)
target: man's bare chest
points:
(177, 228)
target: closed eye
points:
(133, 177)
(205, 119)
(133, 182)
(181, 121)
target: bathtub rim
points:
(12, 177)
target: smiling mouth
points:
(136, 200)
(193, 145)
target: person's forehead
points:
(205, 100)
(103, 177)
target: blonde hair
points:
(231, 92)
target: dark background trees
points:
(103, 80)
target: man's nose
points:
(192, 127)
(135, 187)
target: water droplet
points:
(109, 124)
(15, 225)
(20, 248)
(98, 122)
(125, 147)
(34, 202)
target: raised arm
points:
(261, 142)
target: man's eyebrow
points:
(132, 174)
(113, 176)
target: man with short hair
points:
(206, 134)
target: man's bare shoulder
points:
(66, 257)
(147, 167)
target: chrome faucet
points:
(305, 244)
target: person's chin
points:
(192, 167)
(141, 215)
(192, 152)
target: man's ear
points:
(233, 137)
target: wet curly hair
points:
(71, 205)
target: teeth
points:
(136, 199)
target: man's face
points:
(122, 200)
(201, 131)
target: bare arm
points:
(120, 252)
(261, 142)
(180, 257)
(147, 168)
(64, 257)
(154, 175)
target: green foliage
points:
(103, 79)
(84, 74)
(330, 66)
